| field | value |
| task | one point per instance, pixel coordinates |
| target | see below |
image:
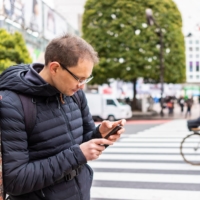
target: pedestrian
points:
(189, 103)
(51, 162)
(170, 106)
(181, 102)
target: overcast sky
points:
(190, 10)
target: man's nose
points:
(81, 86)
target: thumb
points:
(107, 124)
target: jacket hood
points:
(14, 79)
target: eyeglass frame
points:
(81, 82)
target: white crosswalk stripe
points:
(142, 194)
(147, 166)
(122, 157)
(132, 165)
(150, 178)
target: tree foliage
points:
(128, 48)
(12, 50)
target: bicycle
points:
(190, 147)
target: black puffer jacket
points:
(32, 164)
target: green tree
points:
(128, 48)
(12, 50)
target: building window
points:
(191, 77)
(197, 48)
(190, 55)
(197, 41)
(191, 67)
(190, 41)
(197, 56)
(190, 49)
(197, 77)
(197, 66)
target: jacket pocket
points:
(90, 170)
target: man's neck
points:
(44, 73)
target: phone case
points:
(114, 131)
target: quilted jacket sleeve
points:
(20, 174)
(89, 129)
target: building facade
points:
(192, 48)
(37, 21)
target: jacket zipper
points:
(66, 121)
(43, 195)
(73, 142)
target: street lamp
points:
(151, 21)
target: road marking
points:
(147, 121)
(166, 178)
(142, 194)
(130, 157)
(158, 166)
(147, 166)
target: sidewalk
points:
(177, 113)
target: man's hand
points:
(107, 126)
(93, 148)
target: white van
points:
(107, 107)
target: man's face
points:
(66, 83)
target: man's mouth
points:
(75, 90)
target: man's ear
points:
(54, 67)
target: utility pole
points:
(151, 21)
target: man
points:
(42, 165)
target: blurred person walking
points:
(181, 103)
(189, 103)
(170, 106)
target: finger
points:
(100, 147)
(98, 153)
(122, 122)
(102, 141)
(113, 138)
(117, 123)
(122, 130)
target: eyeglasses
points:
(80, 81)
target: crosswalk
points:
(146, 166)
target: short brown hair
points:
(68, 49)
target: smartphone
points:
(114, 131)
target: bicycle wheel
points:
(190, 149)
